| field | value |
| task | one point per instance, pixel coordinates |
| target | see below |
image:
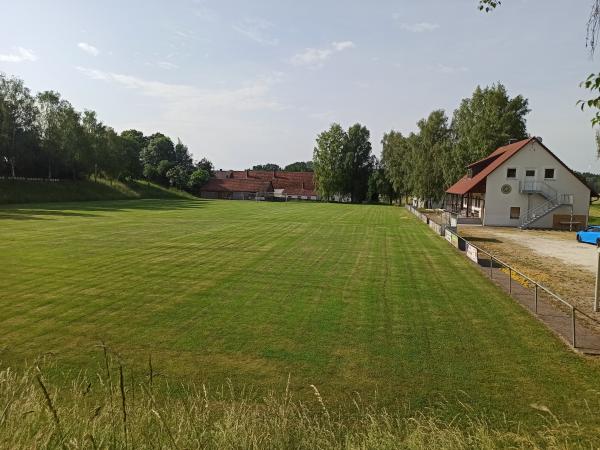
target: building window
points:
(515, 212)
(549, 174)
(530, 173)
(511, 173)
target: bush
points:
(198, 178)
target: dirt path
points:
(568, 251)
(553, 258)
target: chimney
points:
(247, 173)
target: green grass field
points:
(349, 298)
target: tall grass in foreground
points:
(111, 410)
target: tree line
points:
(423, 163)
(43, 136)
(298, 166)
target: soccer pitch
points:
(349, 298)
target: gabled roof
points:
(495, 160)
(233, 185)
(292, 183)
(499, 156)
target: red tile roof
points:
(292, 183)
(499, 156)
(233, 185)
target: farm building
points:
(524, 185)
(260, 184)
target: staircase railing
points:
(538, 211)
(539, 187)
(553, 200)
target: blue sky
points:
(249, 82)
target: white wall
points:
(533, 156)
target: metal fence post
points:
(536, 297)
(573, 326)
(491, 267)
(509, 280)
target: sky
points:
(248, 82)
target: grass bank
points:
(19, 191)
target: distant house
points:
(522, 184)
(260, 184)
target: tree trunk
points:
(49, 169)
(12, 167)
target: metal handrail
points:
(552, 196)
(530, 214)
(538, 186)
(536, 285)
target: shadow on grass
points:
(87, 209)
(481, 239)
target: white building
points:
(521, 185)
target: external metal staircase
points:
(553, 201)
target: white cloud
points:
(232, 125)
(167, 65)
(181, 99)
(451, 69)
(90, 49)
(419, 27)
(205, 14)
(316, 57)
(339, 46)
(21, 54)
(256, 30)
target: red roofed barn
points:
(250, 184)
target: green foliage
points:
(592, 83)
(205, 164)
(488, 5)
(328, 160)
(150, 172)
(159, 148)
(19, 122)
(425, 163)
(197, 179)
(267, 167)
(299, 166)
(380, 187)
(44, 136)
(343, 162)
(178, 177)
(357, 163)
(483, 122)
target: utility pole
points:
(597, 296)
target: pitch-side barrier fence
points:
(577, 328)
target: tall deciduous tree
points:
(19, 120)
(327, 160)
(49, 126)
(429, 152)
(95, 140)
(483, 122)
(396, 160)
(159, 148)
(357, 163)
